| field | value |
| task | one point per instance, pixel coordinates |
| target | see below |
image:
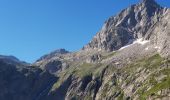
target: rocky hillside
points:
(24, 83)
(128, 59)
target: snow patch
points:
(158, 48)
(117, 63)
(146, 48)
(132, 42)
(129, 44)
(125, 47)
(141, 41)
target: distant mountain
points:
(12, 60)
(46, 63)
(53, 54)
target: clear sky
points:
(32, 28)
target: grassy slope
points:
(152, 64)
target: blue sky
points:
(32, 28)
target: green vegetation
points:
(85, 69)
(165, 72)
(149, 65)
(59, 82)
(159, 86)
(105, 90)
(98, 71)
(121, 96)
(109, 55)
(63, 76)
(81, 71)
(156, 62)
(88, 98)
(152, 62)
(153, 81)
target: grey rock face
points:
(94, 58)
(53, 66)
(146, 20)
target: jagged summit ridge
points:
(149, 4)
(144, 20)
(148, 1)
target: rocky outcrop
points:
(53, 66)
(94, 58)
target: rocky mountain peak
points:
(149, 1)
(60, 51)
(53, 54)
(144, 20)
(150, 4)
